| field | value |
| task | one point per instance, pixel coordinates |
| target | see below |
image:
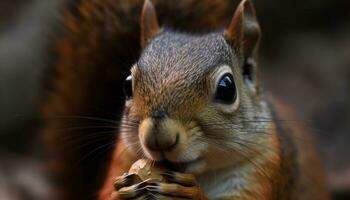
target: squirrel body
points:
(193, 99)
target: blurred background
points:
(305, 59)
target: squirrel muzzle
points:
(160, 137)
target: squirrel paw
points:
(125, 189)
(178, 186)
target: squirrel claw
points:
(174, 191)
(179, 186)
(180, 178)
(125, 180)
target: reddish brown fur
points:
(297, 145)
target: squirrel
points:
(193, 99)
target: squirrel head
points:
(191, 98)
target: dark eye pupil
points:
(128, 87)
(226, 90)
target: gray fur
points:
(192, 57)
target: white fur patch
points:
(223, 182)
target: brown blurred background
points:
(305, 60)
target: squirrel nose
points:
(159, 115)
(159, 142)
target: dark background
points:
(305, 59)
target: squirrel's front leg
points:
(125, 189)
(178, 186)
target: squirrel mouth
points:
(174, 161)
(179, 165)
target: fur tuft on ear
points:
(243, 34)
(149, 23)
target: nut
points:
(148, 170)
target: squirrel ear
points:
(243, 34)
(149, 23)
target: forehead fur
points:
(173, 69)
(183, 52)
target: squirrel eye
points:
(127, 87)
(226, 90)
